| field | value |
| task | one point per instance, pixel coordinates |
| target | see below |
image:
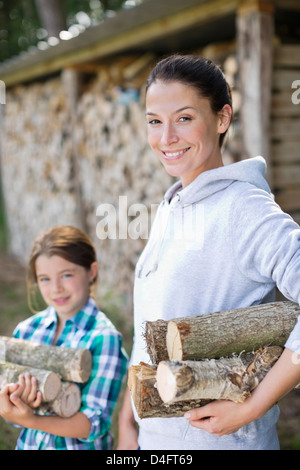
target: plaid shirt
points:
(91, 329)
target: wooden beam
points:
(255, 31)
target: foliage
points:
(21, 28)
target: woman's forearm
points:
(280, 380)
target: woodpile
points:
(84, 142)
(58, 372)
(222, 355)
(285, 125)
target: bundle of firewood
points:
(215, 356)
(58, 371)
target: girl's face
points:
(64, 285)
(183, 130)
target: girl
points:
(63, 265)
(219, 242)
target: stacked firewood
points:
(58, 371)
(197, 359)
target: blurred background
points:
(73, 136)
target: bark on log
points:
(223, 333)
(155, 337)
(231, 378)
(67, 402)
(48, 382)
(147, 402)
(72, 364)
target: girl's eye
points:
(67, 275)
(43, 279)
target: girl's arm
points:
(226, 417)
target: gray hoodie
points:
(220, 243)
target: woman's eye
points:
(43, 279)
(185, 118)
(154, 121)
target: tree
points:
(52, 16)
(30, 23)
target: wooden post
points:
(71, 79)
(255, 32)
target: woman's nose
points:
(169, 135)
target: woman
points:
(219, 242)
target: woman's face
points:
(183, 130)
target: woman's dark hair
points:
(201, 73)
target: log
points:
(155, 337)
(67, 402)
(231, 378)
(221, 334)
(147, 402)
(48, 382)
(72, 364)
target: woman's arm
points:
(226, 417)
(127, 426)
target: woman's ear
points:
(225, 116)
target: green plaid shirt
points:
(91, 329)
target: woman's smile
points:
(174, 155)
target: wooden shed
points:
(72, 122)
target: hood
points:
(252, 170)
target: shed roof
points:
(153, 25)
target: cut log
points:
(155, 337)
(67, 402)
(147, 402)
(231, 378)
(48, 382)
(72, 364)
(223, 333)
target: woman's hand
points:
(226, 417)
(221, 417)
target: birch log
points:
(231, 378)
(147, 402)
(223, 333)
(155, 337)
(67, 402)
(72, 364)
(48, 382)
